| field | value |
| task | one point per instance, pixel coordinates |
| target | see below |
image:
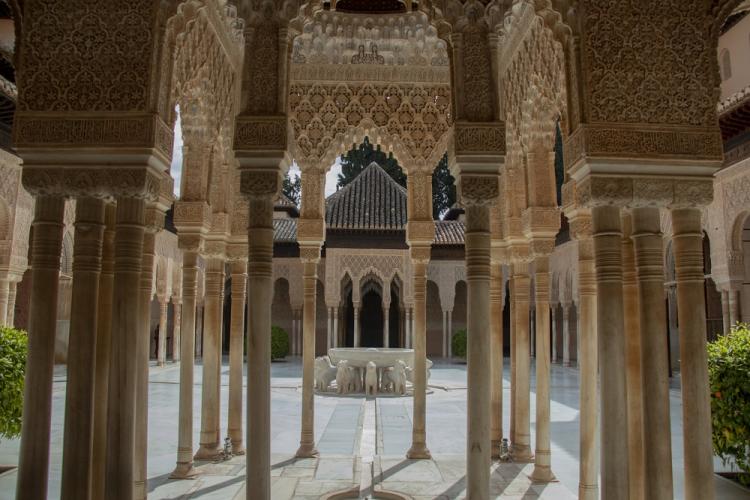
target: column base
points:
(418, 451)
(588, 492)
(522, 453)
(542, 474)
(238, 447)
(184, 471)
(208, 452)
(307, 451)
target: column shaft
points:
(734, 306)
(696, 406)
(310, 282)
(161, 354)
(419, 335)
(357, 340)
(176, 330)
(210, 437)
(450, 334)
(633, 361)
(607, 228)
(657, 457)
(4, 292)
(260, 297)
(46, 244)
(335, 327)
(184, 467)
(553, 311)
(386, 327)
(542, 456)
(103, 348)
(79, 394)
(479, 354)
(10, 318)
(588, 481)
(496, 355)
(521, 406)
(329, 329)
(126, 323)
(445, 334)
(236, 354)
(725, 311)
(566, 334)
(143, 355)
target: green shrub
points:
(13, 348)
(729, 377)
(279, 343)
(458, 344)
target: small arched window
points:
(726, 65)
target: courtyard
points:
(362, 442)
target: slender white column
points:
(386, 327)
(553, 311)
(310, 256)
(126, 319)
(357, 340)
(696, 414)
(542, 455)
(734, 306)
(184, 468)
(4, 292)
(657, 457)
(566, 333)
(79, 393)
(479, 352)
(236, 354)
(450, 334)
(725, 311)
(521, 404)
(329, 329)
(161, 355)
(419, 432)
(445, 334)
(176, 330)
(607, 228)
(496, 332)
(11, 315)
(46, 244)
(143, 355)
(336, 327)
(103, 348)
(210, 437)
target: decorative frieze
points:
(479, 138)
(637, 191)
(93, 182)
(254, 133)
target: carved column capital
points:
(479, 189)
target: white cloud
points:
(176, 167)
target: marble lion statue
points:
(371, 379)
(394, 378)
(343, 377)
(325, 373)
(410, 371)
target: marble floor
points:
(362, 443)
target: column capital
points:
(309, 253)
(420, 253)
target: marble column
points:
(607, 232)
(79, 392)
(513, 367)
(184, 468)
(260, 297)
(542, 457)
(633, 361)
(553, 312)
(357, 340)
(329, 328)
(103, 347)
(310, 256)
(46, 245)
(335, 327)
(725, 311)
(210, 437)
(11, 314)
(407, 328)
(496, 356)
(386, 327)
(734, 306)
(649, 257)
(521, 406)
(420, 257)
(176, 330)
(444, 344)
(143, 355)
(588, 479)
(4, 292)
(479, 352)
(126, 323)
(161, 355)
(238, 270)
(450, 334)
(566, 333)
(687, 237)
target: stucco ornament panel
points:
(386, 265)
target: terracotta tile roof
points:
(449, 232)
(373, 200)
(285, 230)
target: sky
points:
(176, 169)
